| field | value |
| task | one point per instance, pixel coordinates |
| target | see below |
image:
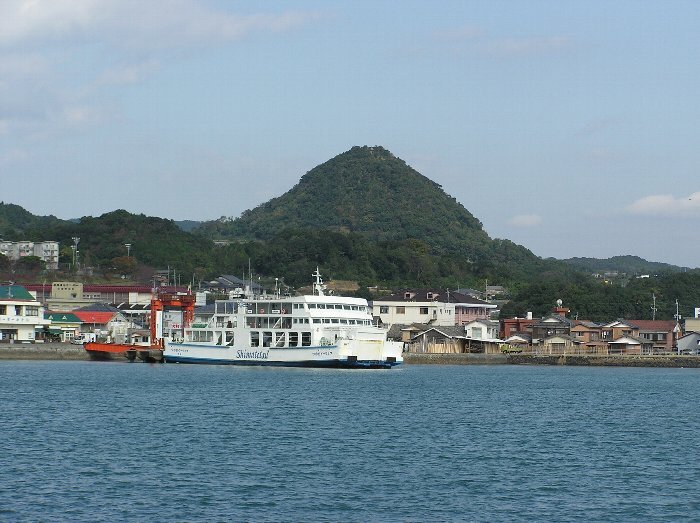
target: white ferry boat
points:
(317, 330)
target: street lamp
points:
(128, 249)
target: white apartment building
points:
(45, 251)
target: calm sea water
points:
(83, 441)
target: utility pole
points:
(76, 240)
(653, 306)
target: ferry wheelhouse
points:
(317, 330)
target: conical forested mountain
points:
(365, 190)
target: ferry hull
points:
(322, 357)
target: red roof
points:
(95, 316)
(654, 325)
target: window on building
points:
(383, 309)
(400, 310)
(293, 339)
(424, 310)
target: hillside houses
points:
(554, 334)
(430, 306)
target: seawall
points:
(42, 351)
(573, 360)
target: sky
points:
(569, 127)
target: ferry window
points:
(355, 308)
(321, 306)
(295, 321)
(316, 320)
(250, 321)
(339, 307)
(312, 305)
(347, 307)
(344, 322)
(255, 339)
(326, 320)
(286, 323)
(293, 339)
(229, 338)
(267, 339)
(279, 339)
(219, 339)
(306, 320)
(352, 322)
(305, 339)
(334, 320)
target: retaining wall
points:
(42, 351)
(527, 359)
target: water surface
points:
(95, 441)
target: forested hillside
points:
(631, 265)
(16, 221)
(592, 299)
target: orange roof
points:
(100, 317)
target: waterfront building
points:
(105, 321)
(64, 325)
(434, 307)
(21, 316)
(68, 296)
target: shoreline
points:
(574, 360)
(69, 352)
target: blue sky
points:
(567, 127)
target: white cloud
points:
(129, 73)
(58, 58)
(666, 205)
(132, 23)
(525, 220)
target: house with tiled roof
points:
(689, 343)
(629, 345)
(662, 334)
(21, 316)
(105, 320)
(64, 325)
(557, 344)
(553, 324)
(439, 340)
(431, 306)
